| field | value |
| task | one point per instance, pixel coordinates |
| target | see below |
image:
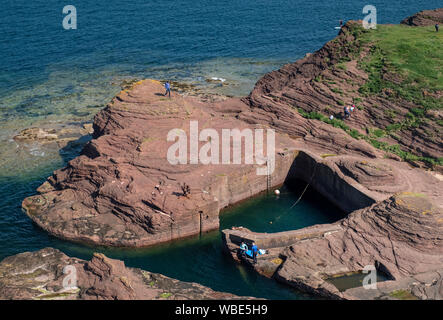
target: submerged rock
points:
(59, 135)
(39, 134)
(49, 274)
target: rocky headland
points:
(383, 166)
(424, 18)
(122, 191)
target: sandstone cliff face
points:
(40, 275)
(402, 236)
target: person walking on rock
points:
(168, 88)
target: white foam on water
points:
(218, 79)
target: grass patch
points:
(404, 155)
(337, 123)
(318, 78)
(165, 295)
(341, 66)
(277, 261)
(379, 133)
(337, 90)
(408, 61)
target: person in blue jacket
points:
(168, 88)
(254, 250)
(347, 112)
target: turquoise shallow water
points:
(50, 76)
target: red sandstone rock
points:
(123, 191)
(40, 275)
(425, 18)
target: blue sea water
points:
(52, 75)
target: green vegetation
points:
(165, 295)
(337, 90)
(404, 155)
(403, 295)
(408, 62)
(379, 133)
(334, 122)
(341, 66)
(326, 155)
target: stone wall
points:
(329, 182)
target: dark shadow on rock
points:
(74, 148)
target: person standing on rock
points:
(347, 113)
(168, 88)
(254, 250)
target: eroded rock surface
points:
(49, 274)
(123, 192)
(425, 18)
